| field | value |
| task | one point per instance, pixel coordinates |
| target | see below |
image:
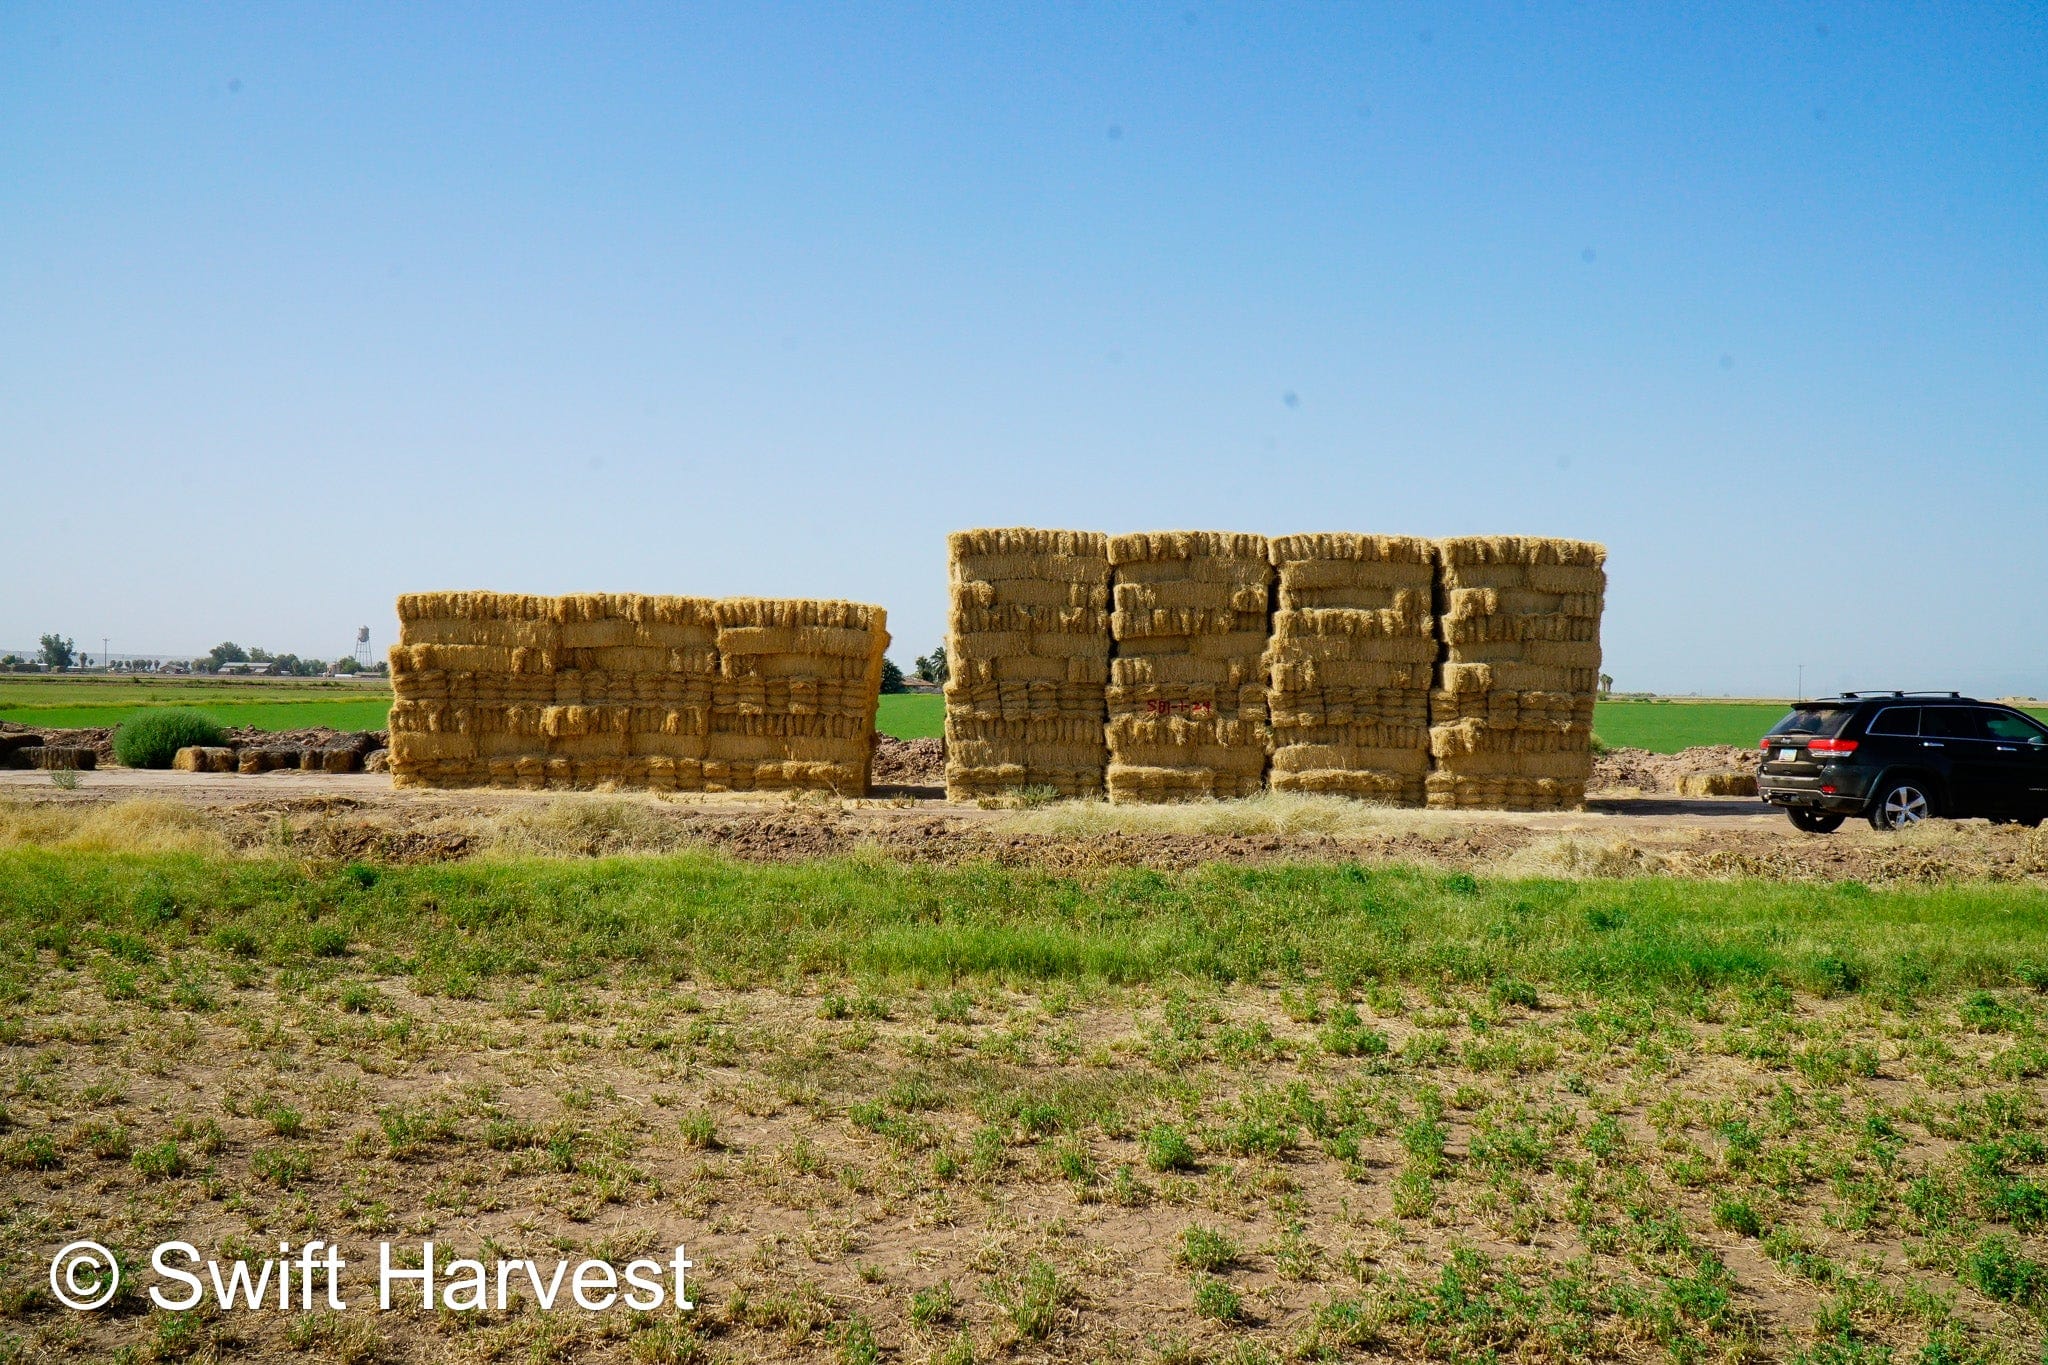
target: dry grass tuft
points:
(1575, 858)
(141, 825)
(586, 827)
(1269, 812)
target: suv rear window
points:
(1896, 720)
(1822, 721)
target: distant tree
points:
(226, 652)
(261, 656)
(933, 667)
(285, 665)
(57, 651)
(11, 662)
(1606, 683)
(347, 664)
(892, 677)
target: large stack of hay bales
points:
(1187, 687)
(794, 704)
(1028, 647)
(1350, 663)
(669, 693)
(1511, 717)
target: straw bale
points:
(1189, 594)
(203, 758)
(272, 759)
(472, 606)
(1351, 546)
(1184, 622)
(1153, 546)
(1470, 737)
(1016, 569)
(1035, 593)
(734, 613)
(826, 641)
(1138, 784)
(1460, 552)
(1025, 730)
(1385, 788)
(1717, 784)
(969, 618)
(1337, 757)
(1027, 541)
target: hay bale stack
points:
(1731, 783)
(1187, 685)
(204, 758)
(1511, 716)
(590, 689)
(1349, 665)
(793, 707)
(1028, 644)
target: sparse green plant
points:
(153, 738)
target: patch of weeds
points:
(700, 1130)
(1033, 1299)
(1998, 1268)
(933, 1306)
(161, 1162)
(1167, 1149)
(284, 1167)
(1346, 1035)
(1736, 1216)
(1205, 1249)
(1216, 1300)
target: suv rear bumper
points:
(1838, 804)
(1850, 796)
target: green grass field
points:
(918, 1113)
(290, 704)
(912, 716)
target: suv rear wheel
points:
(1814, 821)
(1899, 803)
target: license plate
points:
(1788, 755)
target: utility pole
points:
(1802, 684)
(106, 659)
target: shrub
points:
(153, 738)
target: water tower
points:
(363, 646)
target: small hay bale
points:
(1717, 784)
(57, 757)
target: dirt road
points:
(361, 816)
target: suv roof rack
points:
(1895, 692)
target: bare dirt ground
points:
(361, 816)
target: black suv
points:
(1900, 757)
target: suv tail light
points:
(1835, 748)
(1764, 743)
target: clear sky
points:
(304, 306)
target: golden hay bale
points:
(1154, 546)
(1351, 546)
(206, 758)
(1717, 784)
(1026, 540)
(794, 613)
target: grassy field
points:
(1665, 727)
(266, 703)
(1292, 1113)
(911, 716)
(289, 704)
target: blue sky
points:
(303, 306)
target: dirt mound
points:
(312, 737)
(1640, 770)
(100, 740)
(908, 762)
